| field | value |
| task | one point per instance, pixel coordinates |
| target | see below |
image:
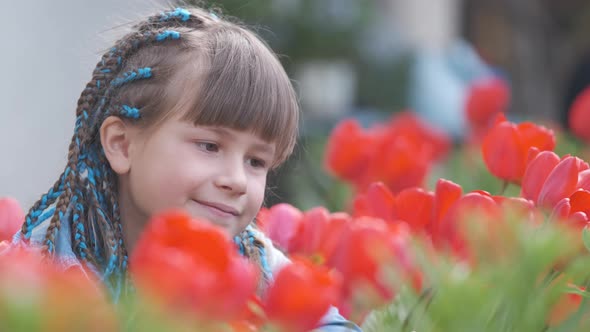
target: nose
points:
(232, 178)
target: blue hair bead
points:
(130, 112)
(91, 176)
(46, 215)
(168, 34)
(49, 245)
(130, 76)
(181, 13)
(238, 242)
(264, 263)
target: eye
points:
(208, 146)
(257, 163)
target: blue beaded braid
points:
(84, 196)
(129, 112)
(132, 75)
(168, 34)
(180, 13)
(246, 243)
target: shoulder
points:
(64, 255)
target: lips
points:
(220, 208)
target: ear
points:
(115, 138)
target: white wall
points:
(48, 50)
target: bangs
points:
(243, 87)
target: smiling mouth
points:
(219, 209)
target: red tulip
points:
(11, 218)
(579, 116)
(584, 179)
(506, 148)
(561, 182)
(415, 206)
(573, 210)
(398, 154)
(281, 223)
(536, 173)
(532, 135)
(349, 150)
(51, 296)
(503, 152)
(366, 248)
(446, 194)
(192, 264)
(408, 124)
(485, 100)
(377, 201)
(319, 234)
(474, 207)
(301, 294)
(400, 163)
(580, 201)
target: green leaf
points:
(586, 237)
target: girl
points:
(186, 111)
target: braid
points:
(251, 247)
(37, 213)
(85, 196)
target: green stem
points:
(504, 187)
(317, 184)
(428, 295)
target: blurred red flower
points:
(192, 264)
(506, 147)
(548, 179)
(398, 153)
(349, 150)
(301, 295)
(11, 218)
(579, 116)
(485, 100)
(367, 250)
(36, 293)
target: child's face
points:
(214, 173)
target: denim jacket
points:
(66, 258)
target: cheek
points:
(256, 190)
(163, 182)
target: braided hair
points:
(138, 81)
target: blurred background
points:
(366, 59)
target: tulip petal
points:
(536, 174)
(414, 206)
(502, 152)
(446, 194)
(560, 183)
(579, 116)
